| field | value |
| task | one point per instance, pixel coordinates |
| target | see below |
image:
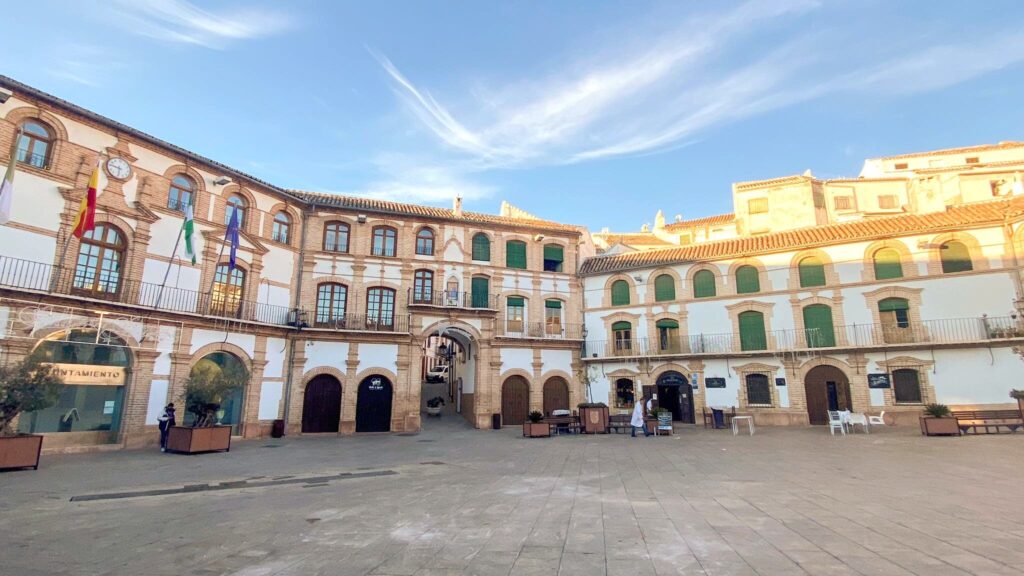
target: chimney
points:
(457, 208)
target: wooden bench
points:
(561, 424)
(620, 423)
(988, 421)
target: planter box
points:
(196, 440)
(594, 419)
(536, 429)
(931, 426)
(433, 410)
(20, 451)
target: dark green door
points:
(752, 336)
(480, 288)
(818, 326)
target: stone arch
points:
(907, 264)
(294, 224)
(815, 398)
(202, 194)
(227, 347)
(322, 371)
(431, 329)
(376, 372)
(556, 392)
(838, 319)
(515, 402)
(18, 115)
(44, 332)
(436, 235)
(253, 215)
(762, 275)
(831, 277)
(978, 260)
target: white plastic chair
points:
(835, 421)
(876, 420)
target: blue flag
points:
(232, 236)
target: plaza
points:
(455, 500)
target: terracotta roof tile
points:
(633, 239)
(965, 150)
(953, 218)
(705, 221)
(780, 181)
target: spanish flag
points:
(85, 221)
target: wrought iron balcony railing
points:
(452, 299)
(548, 330)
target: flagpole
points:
(167, 273)
(67, 243)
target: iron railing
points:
(37, 160)
(364, 322)
(513, 329)
(452, 299)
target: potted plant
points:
(936, 421)
(206, 388)
(25, 386)
(434, 406)
(535, 427)
(593, 417)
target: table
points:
(736, 426)
(850, 419)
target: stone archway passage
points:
(515, 401)
(556, 395)
(373, 405)
(321, 405)
(826, 388)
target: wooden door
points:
(556, 395)
(515, 401)
(817, 384)
(321, 405)
(373, 405)
(817, 402)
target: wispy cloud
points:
(653, 93)
(88, 64)
(180, 21)
(402, 178)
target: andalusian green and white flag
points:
(189, 227)
(7, 187)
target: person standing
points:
(637, 421)
(166, 420)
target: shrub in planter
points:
(936, 421)
(434, 406)
(206, 388)
(535, 427)
(25, 386)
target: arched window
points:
(554, 254)
(236, 204)
(894, 314)
(664, 288)
(515, 254)
(385, 240)
(620, 293)
(624, 393)
(35, 144)
(752, 332)
(380, 307)
(955, 257)
(759, 392)
(181, 193)
(100, 259)
(282, 226)
(481, 247)
(818, 326)
(668, 335)
(423, 287)
(887, 264)
(228, 287)
(336, 237)
(906, 386)
(704, 284)
(622, 335)
(748, 281)
(331, 300)
(812, 272)
(425, 242)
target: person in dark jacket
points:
(166, 420)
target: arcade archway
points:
(321, 405)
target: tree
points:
(26, 386)
(207, 386)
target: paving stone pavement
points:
(462, 501)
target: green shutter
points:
(620, 293)
(664, 288)
(704, 284)
(752, 336)
(552, 303)
(812, 273)
(819, 316)
(893, 304)
(887, 264)
(515, 301)
(515, 254)
(480, 287)
(747, 280)
(621, 326)
(553, 252)
(666, 323)
(955, 257)
(481, 248)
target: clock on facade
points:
(119, 168)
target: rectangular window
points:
(900, 166)
(380, 307)
(553, 256)
(844, 202)
(972, 160)
(553, 317)
(757, 205)
(624, 393)
(759, 392)
(516, 313)
(887, 201)
(622, 332)
(384, 242)
(515, 254)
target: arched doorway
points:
(556, 395)
(449, 371)
(321, 405)
(515, 401)
(216, 366)
(826, 388)
(373, 405)
(676, 395)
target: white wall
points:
(270, 400)
(513, 358)
(378, 356)
(201, 337)
(333, 354)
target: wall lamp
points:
(361, 218)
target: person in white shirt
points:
(637, 421)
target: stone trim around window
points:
(606, 293)
(743, 370)
(838, 318)
(907, 263)
(688, 288)
(978, 261)
(649, 293)
(765, 308)
(922, 367)
(762, 276)
(831, 276)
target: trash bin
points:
(277, 430)
(719, 417)
(496, 421)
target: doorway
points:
(556, 395)
(373, 405)
(515, 401)
(826, 388)
(321, 405)
(676, 395)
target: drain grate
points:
(432, 463)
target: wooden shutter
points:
(704, 284)
(553, 257)
(515, 254)
(752, 335)
(481, 248)
(664, 288)
(621, 326)
(620, 293)
(819, 316)
(906, 386)
(955, 257)
(887, 264)
(812, 272)
(480, 287)
(747, 281)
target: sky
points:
(584, 112)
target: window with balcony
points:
(759, 391)
(752, 332)
(622, 337)
(425, 242)
(331, 300)
(553, 257)
(515, 316)
(481, 247)
(887, 264)
(818, 326)
(100, 259)
(281, 228)
(664, 288)
(423, 287)
(704, 284)
(894, 314)
(181, 193)
(906, 386)
(812, 272)
(480, 288)
(620, 293)
(380, 307)
(228, 288)
(35, 144)
(236, 204)
(668, 335)
(385, 241)
(336, 237)
(515, 254)
(553, 317)
(748, 280)
(955, 257)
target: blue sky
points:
(596, 113)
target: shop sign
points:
(87, 375)
(878, 381)
(780, 381)
(714, 382)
